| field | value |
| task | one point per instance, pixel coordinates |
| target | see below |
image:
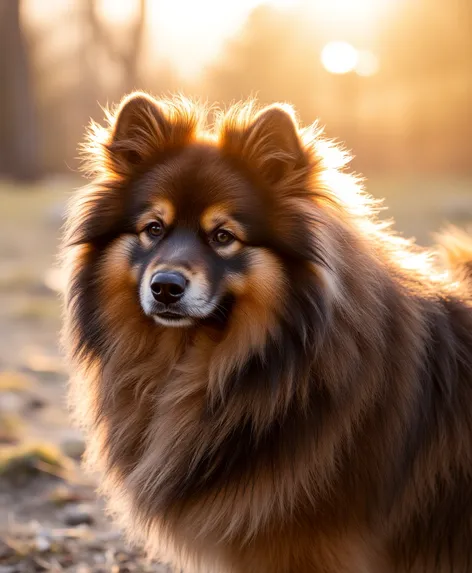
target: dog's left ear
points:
(273, 140)
(144, 127)
(140, 130)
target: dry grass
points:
(15, 382)
(17, 462)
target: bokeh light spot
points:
(339, 57)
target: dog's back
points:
(456, 249)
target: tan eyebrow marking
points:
(218, 216)
(161, 209)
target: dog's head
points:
(194, 224)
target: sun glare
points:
(339, 57)
(191, 33)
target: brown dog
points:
(271, 380)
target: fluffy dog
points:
(271, 380)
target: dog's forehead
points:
(200, 187)
(207, 216)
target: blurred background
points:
(392, 79)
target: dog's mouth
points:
(172, 315)
(170, 318)
(217, 318)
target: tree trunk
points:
(18, 125)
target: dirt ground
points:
(50, 518)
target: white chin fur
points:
(175, 323)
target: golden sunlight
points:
(116, 12)
(367, 63)
(340, 16)
(187, 33)
(339, 57)
(191, 33)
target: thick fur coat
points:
(318, 417)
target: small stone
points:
(43, 543)
(76, 515)
(73, 448)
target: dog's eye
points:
(223, 237)
(155, 229)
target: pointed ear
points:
(140, 129)
(273, 140)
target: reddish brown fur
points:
(375, 480)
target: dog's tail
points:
(455, 246)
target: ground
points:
(50, 518)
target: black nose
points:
(168, 287)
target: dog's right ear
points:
(140, 131)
